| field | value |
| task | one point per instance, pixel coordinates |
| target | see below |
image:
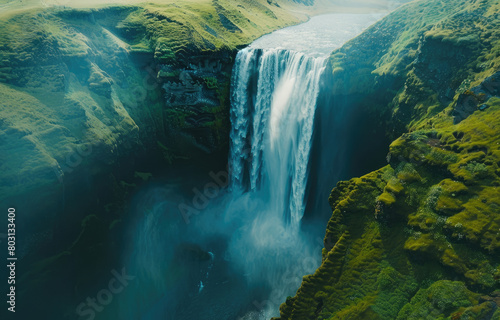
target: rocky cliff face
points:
(418, 238)
(87, 89)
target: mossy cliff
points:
(418, 238)
(83, 89)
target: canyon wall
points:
(417, 238)
(88, 94)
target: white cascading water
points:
(272, 126)
(274, 94)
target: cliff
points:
(418, 238)
(87, 90)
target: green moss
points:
(406, 172)
(450, 200)
(211, 83)
(453, 188)
(479, 220)
(424, 242)
(448, 205)
(387, 198)
(394, 186)
(145, 176)
(439, 301)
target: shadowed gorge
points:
(183, 159)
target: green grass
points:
(70, 77)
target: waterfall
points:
(258, 251)
(258, 254)
(272, 110)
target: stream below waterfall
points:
(234, 247)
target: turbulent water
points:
(241, 250)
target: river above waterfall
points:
(320, 35)
(238, 252)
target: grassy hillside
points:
(419, 238)
(84, 86)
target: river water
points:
(245, 251)
(320, 35)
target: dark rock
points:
(472, 100)
(191, 252)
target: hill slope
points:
(418, 238)
(86, 86)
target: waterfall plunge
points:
(272, 112)
(274, 95)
